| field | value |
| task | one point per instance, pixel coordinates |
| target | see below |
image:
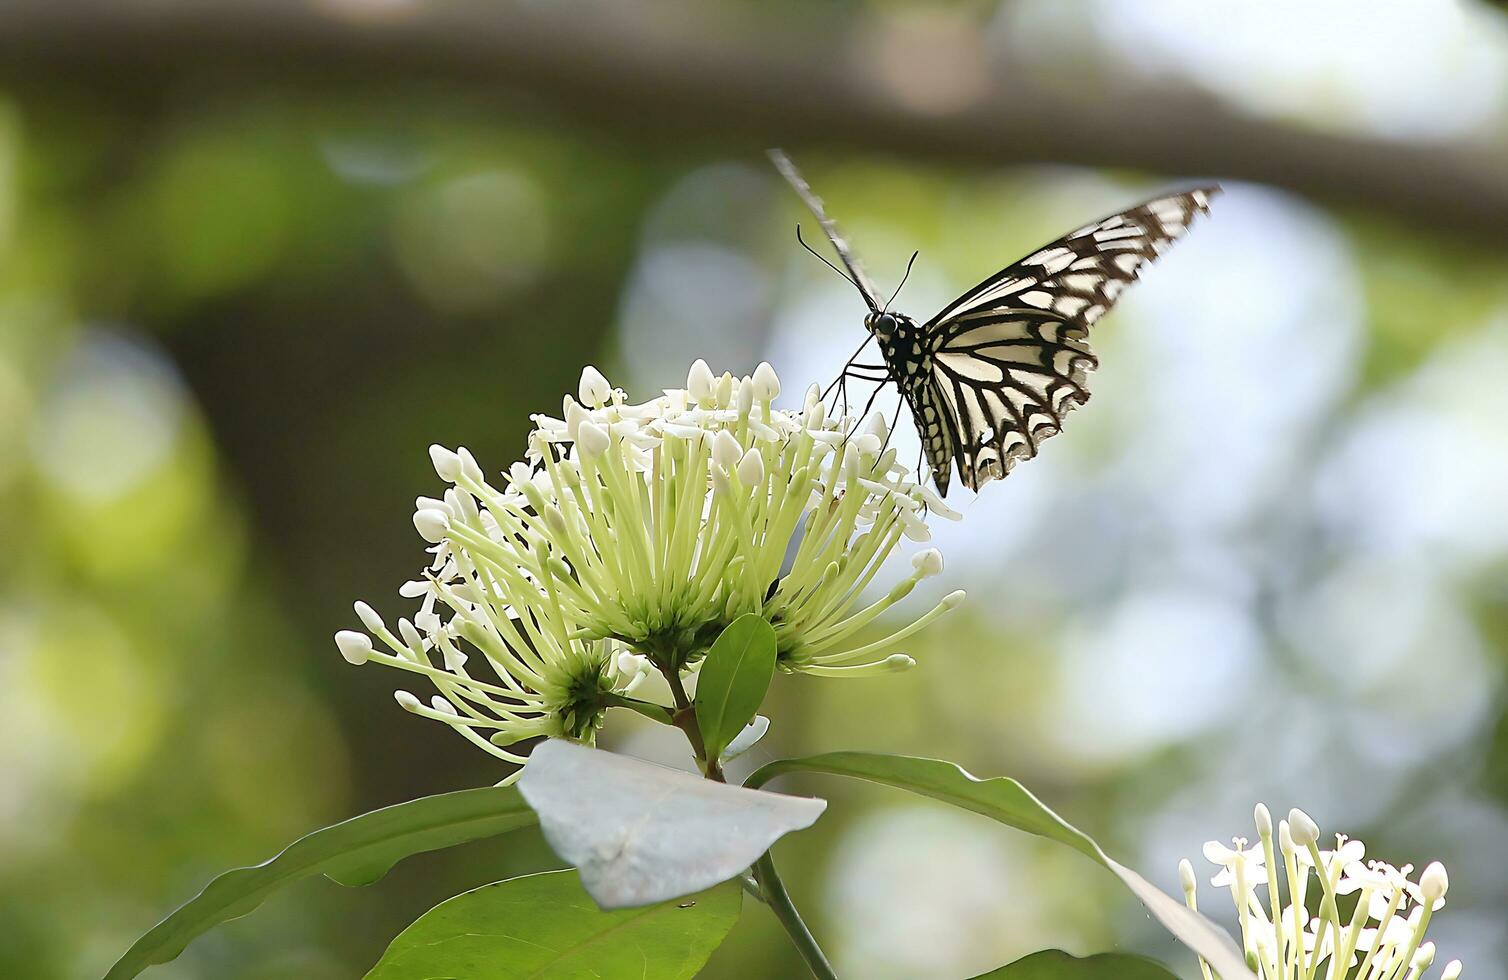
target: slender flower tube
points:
(1377, 936)
(632, 534)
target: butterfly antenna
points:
(903, 281)
(824, 260)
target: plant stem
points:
(765, 876)
(780, 903)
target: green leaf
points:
(1054, 964)
(1009, 802)
(354, 852)
(733, 680)
(546, 926)
(641, 833)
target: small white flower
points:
(1249, 859)
(1381, 935)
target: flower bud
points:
(724, 391)
(699, 382)
(927, 563)
(1186, 877)
(751, 469)
(406, 701)
(721, 485)
(443, 706)
(1305, 831)
(432, 523)
(410, 636)
(594, 389)
(745, 397)
(876, 426)
(470, 468)
(726, 452)
(1452, 970)
(355, 647)
(766, 382)
(592, 440)
(574, 416)
(952, 599)
(868, 444)
(1434, 882)
(1423, 957)
(447, 464)
(1285, 838)
(900, 661)
(1264, 821)
(369, 617)
(555, 520)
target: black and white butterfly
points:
(995, 372)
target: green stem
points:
(780, 903)
(765, 876)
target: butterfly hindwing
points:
(1010, 357)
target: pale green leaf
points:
(1009, 802)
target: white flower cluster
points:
(631, 535)
(1380, 938)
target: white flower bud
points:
(745, 397)
(751, 469)
(594, 389)
(1305, 830)
(369, 617)
(766, 382)
(1186, 877)
(816, 415)
(520, 473)
(1264, 821)
(1434, 882)
(443, 706)
(447, 464)
(432, 523)
(876, 426)
(721, 485)
(355, 647)
(470, 468)
(1423, 957)
(592, 440)
(1285, 838)
(555, 520)
(952, 599)
(422, 502)
(900, 661)
(868, 443)
(1452, 970)
(699, 382)
(726, 452)
(574, 416)
(927, 563)
(410, 636)
(406, 701)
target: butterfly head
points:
(882, 325)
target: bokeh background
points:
(254, 258)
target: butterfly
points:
(995, 372)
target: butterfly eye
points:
(884, 324)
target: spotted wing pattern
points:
(1010, 357)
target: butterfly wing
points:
(1010, 357)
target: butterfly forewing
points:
(1010, 357)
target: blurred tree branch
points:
(942, 100)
